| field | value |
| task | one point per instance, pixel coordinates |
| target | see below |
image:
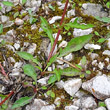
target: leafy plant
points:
(103, 19)
(1, 28)
(21, 102)
(75, 24)
(6, 3)
(50, 93)
(47, 29)
(24, 1)
(75, 44)
(30, 71)
(51, 7)
(32, 19)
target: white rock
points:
(108, 43)
(80, 94)
(88, 103)
(43, 81)
(55, 18)
(80, 32)
(11, 33)
(19, 21)
(101, 65)
(99, 86)
(92, 46)
(63, 44)
(100, 108)
(55, 35)
(16, 46)
(15, 72)
(57, 101)
(107, 59)
(77, 102)
(49, 68)
(65, 65)
(4, 19)
(106, 52)
(69, 57)
(94, 62)
(35, 3)
(93, 55)
(38, 104)
(71, 107)
(72, 86)
(60, 66)
(10, 47)
(60, 84)
(48, 107)
(107, 102)
(33, 27)
(108, 67)
(11, 59)
(59, 61)
(32, 48)
(71, 13)
(18, 64)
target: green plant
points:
(1, 28)
(23, 2)
(6, 3)
(32, 19)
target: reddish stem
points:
(10, 94)
(58, 33)
(3, 71)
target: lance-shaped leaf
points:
(45, 26)
(77, 25)
(6, 3)
(103, 19)
(30, 71)
(25, 55)
(21, 102)
(75, 44)
(69, 71)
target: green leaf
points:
(6, 3)
(16, 14)
(30, 12)
(44, 87)
(24, 1)
(25, 55)
(52, 79)
(77, 25)
(51, 93)
(32, 20)
(101, 40)
(30, 71)
(108, 4)
(83, 60)
(58, 75)
(1, 28)
(75, 44)
(52, 59)
(45, 26)
(0, 7)
(78, 66)
(103, 19)
(51, 7)
(69, 71)
(102, 104)
(21, 102)
(88, 72)
(96, 33)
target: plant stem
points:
(68, 63)
(10, 94)
(3, 71)
(58, 33)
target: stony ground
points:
(88, 90)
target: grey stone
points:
(55, 18)
(69, 57)
(63, 44)
(100, 108)
(106, 52)
(101, 65)
(72, 86)
(107, 102)
(97, 10)
(92, 46)
(71, 107)
(48, 107)
(71, 13)
(4, 18)
(55, 35)
(19, 21)
(80, 32)
(60, 84)
(99, 86)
